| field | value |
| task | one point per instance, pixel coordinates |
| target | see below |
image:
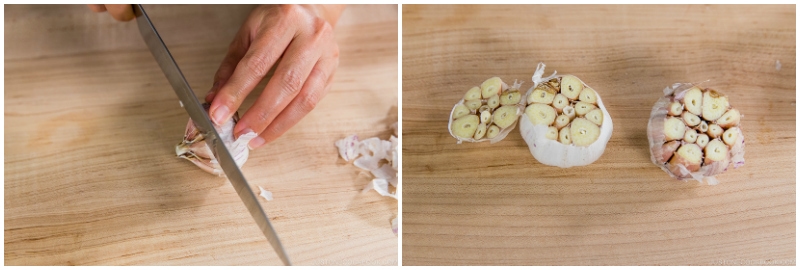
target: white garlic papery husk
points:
(661, 156)
(505, 88)
(554, 153)
(195, 149)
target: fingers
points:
(316, 86)
(254, 65)
(237, 50)
(97, 8)
(120, 12)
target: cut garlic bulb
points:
(195, 149)
(576, 110)
(487, 112)
(712, 139)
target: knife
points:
(203, 123)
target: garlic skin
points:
(505, 89)
(679, 92)
(195, 149)
(554, 153)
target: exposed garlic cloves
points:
(486, 113)
(711, 137)
(573, 129)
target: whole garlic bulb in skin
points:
(195, 149)
(565, 123)
(694, 133)
(487, 112)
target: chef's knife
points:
(203, 123)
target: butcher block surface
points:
(91, 124)
(481, 203)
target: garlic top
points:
(694, 133)
(565, 123)
(195, 149)
(487, 112)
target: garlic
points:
(711, 138)
(576, 110)
(487, 112)
(380, 158)
(195, 149)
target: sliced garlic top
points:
(566, 106)
(694, 133)
(487, 112)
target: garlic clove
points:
(584, 132)
(473, 93)
(543, 94)
(460, 111)
(571, 86)
(729, 119)
(493, 101)
(560, 102)
(675, 109)
(491, 87)
(465, 126)
(480, 132)
(510, 98)
(492, 132)
(473, 104)
(588, 95)
(714, 105)
(582, 108)
(541, 114)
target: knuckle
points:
(291, 10)
(259, 65)
(263, 116)
(309, 100)
(291, 82)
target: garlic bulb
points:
(565, 123)
(195, 149)
(487, 112)
(694, 133)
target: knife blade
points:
(203, 123)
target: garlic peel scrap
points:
(394, 225)
(381, 186)
(265, 193)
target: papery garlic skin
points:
(553, 152)
(487, 107)
(706, 131)
(195, 149)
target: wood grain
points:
(482, 204)
(91, 176)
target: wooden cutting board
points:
(91, 176)
(495, 204)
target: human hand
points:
(119, 12)
(301, 36)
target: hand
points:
(119, 12)
(302, 38)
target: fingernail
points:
(221, 115)
(242, 132)
(256, 143)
